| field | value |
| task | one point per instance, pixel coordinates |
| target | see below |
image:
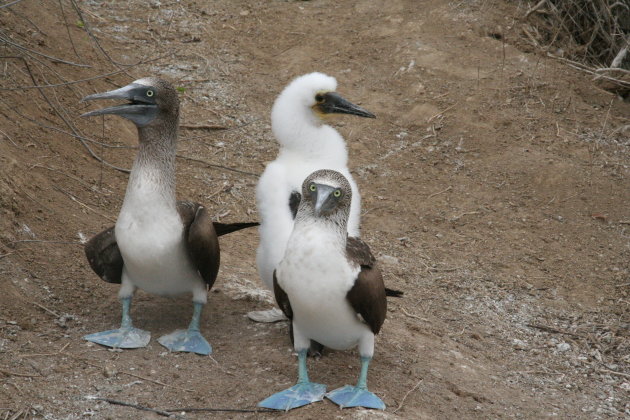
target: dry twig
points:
(407, 394)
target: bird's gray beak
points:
(334, 103)
(324, 203)
(141, 109)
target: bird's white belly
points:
(317, 278)
(154, 253)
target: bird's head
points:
(150, 101)
(326, 194)
(314, 93)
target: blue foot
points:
(122, 338)
(186, 340)
(352, 396)
(294, 397)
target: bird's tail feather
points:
(225, 228)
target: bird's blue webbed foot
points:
(125, 337)
(189, 340)
(357, 396)
(300, 394)
(352, 396)
(122, 338)
(186, 340)
(297, 396)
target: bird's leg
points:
(357, 396)
(302, 393)
(189, 340)
(126, 337)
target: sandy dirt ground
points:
(495, 195)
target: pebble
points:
(519, 344)
(109, 371)
(562, 347)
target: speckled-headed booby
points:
(307, 143)
(330, 288)
(160, 245)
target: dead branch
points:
(136, 406)
(50, 311)
(440, 192)
(204, 126)
(218, 410)
(540, 4)
(10, 4)
(407, 394)
(21, 375)
(553, 330)
(76, 200)
(51, 58)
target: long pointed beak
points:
(141, 111)
(335, 103)
(322, 204)
(125, 92)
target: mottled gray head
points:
(326, 194)
(152, 101)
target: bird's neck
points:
(153, 172)
(311, 138)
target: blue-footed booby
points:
(160, 245)
(330, 288)
(307, 143)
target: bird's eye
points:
(149, 93)
(319, 98)
(337, 193)
(312, 187)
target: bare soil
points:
(495, 193)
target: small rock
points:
(109, 371)
(562, 347)
(388, 259)
(519, 344)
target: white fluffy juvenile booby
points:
(328, 285)
(160, 245)
(307, 143)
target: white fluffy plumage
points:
(307, 144)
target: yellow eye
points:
(312, 187)
(337, 193)
(149, 93)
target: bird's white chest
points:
(316, 276)
(150, 235)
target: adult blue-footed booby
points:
(330, 288)
(158, 244)
(307, 143)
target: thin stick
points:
(536, 7)
(440, 192)
(63, 14)
(9, 138)
(10, 4)
(51, 58)
(50, 311)
(613, 372)
(228, 410)
(136, 406)
(76, 200)
(21, 375)
(204, 126)
(553, 330)
(407, 394)
(442, 112)
(5, 255)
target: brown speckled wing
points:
(104, 256)
(201, 240)
(367, 296)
